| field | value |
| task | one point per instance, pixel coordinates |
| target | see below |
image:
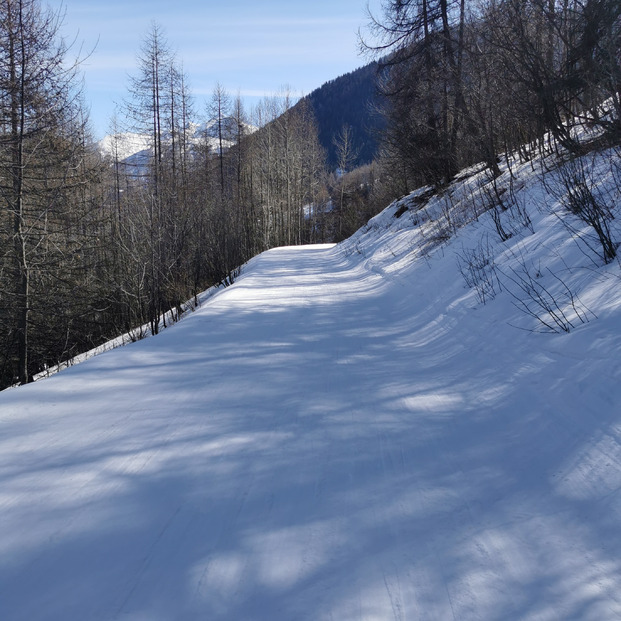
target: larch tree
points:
(346, 155)
(421, 44)
(159, 107)
(43, 165)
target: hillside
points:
(349, 100)
(347, 432)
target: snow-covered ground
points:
(345, 433)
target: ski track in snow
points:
(325, 439)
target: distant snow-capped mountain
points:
(124, 146)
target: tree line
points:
(350, 101)
(92, 246)
(464, 81)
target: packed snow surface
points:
(345, 433)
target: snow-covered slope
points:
(123, 145)
(128, 145)
(346, 433)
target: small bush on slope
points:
(540, 233)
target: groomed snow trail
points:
(320, 441)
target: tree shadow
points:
(305, 455)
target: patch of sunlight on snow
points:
(591, 583)
(594, 471)
(414, 506)
(433, 402)
(384, 593)
(289, 555)
(371, 603)
(218, 577)
(493, 395)
(506, 553)
(356, 358)
(279, 559)
(517, 554)
(73, 494)
(431, 331)
(66, 491)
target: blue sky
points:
(251, 47)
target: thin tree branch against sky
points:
(251, 48)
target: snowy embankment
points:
(345, 433)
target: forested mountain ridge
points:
(351, 100)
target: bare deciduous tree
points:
(42, 167)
